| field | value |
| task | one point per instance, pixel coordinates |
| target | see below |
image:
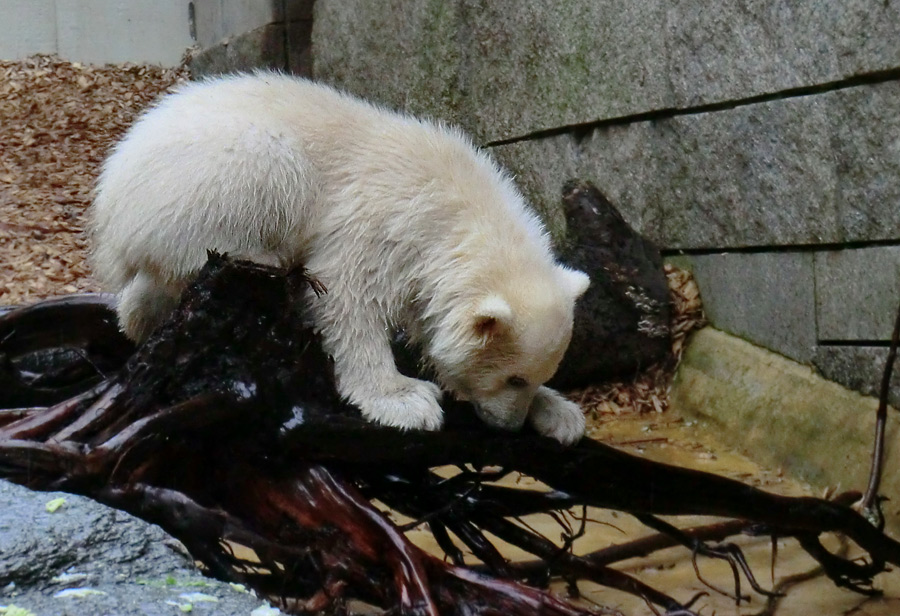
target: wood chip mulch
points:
(57, 122)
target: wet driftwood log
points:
(224, 428)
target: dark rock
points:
(86, 558)
(622, 321)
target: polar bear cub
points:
(406, 223)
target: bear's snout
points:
(511, 421)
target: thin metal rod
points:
(869, 503)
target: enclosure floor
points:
(58, 121)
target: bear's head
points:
(501, 346)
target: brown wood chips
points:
(57, 122)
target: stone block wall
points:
(757, 143)
(223, 35)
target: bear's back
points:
(222, 164)
(253, 165)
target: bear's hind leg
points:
(143, 304)
(553, 415)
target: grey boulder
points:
(66, 555)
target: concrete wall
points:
(97, 31)
(245, 34)
(226, 35)
(757, 142)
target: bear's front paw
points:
(554, 416)
(408, 404)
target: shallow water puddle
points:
(666, 438)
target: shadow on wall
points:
(239, 36)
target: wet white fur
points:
(404, 221)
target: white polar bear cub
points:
(405, 222)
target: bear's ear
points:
(492, 316)
(574, 281)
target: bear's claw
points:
(553, 415)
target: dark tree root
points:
(42, 362)
(224, 428)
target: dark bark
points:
(622, 322)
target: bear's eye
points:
(517, 382)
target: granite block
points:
(508, 69)
(857, 293)
(807, 170)
(859, 368)
(766, 298)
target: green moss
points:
(779, 412)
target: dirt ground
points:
(57, 122)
